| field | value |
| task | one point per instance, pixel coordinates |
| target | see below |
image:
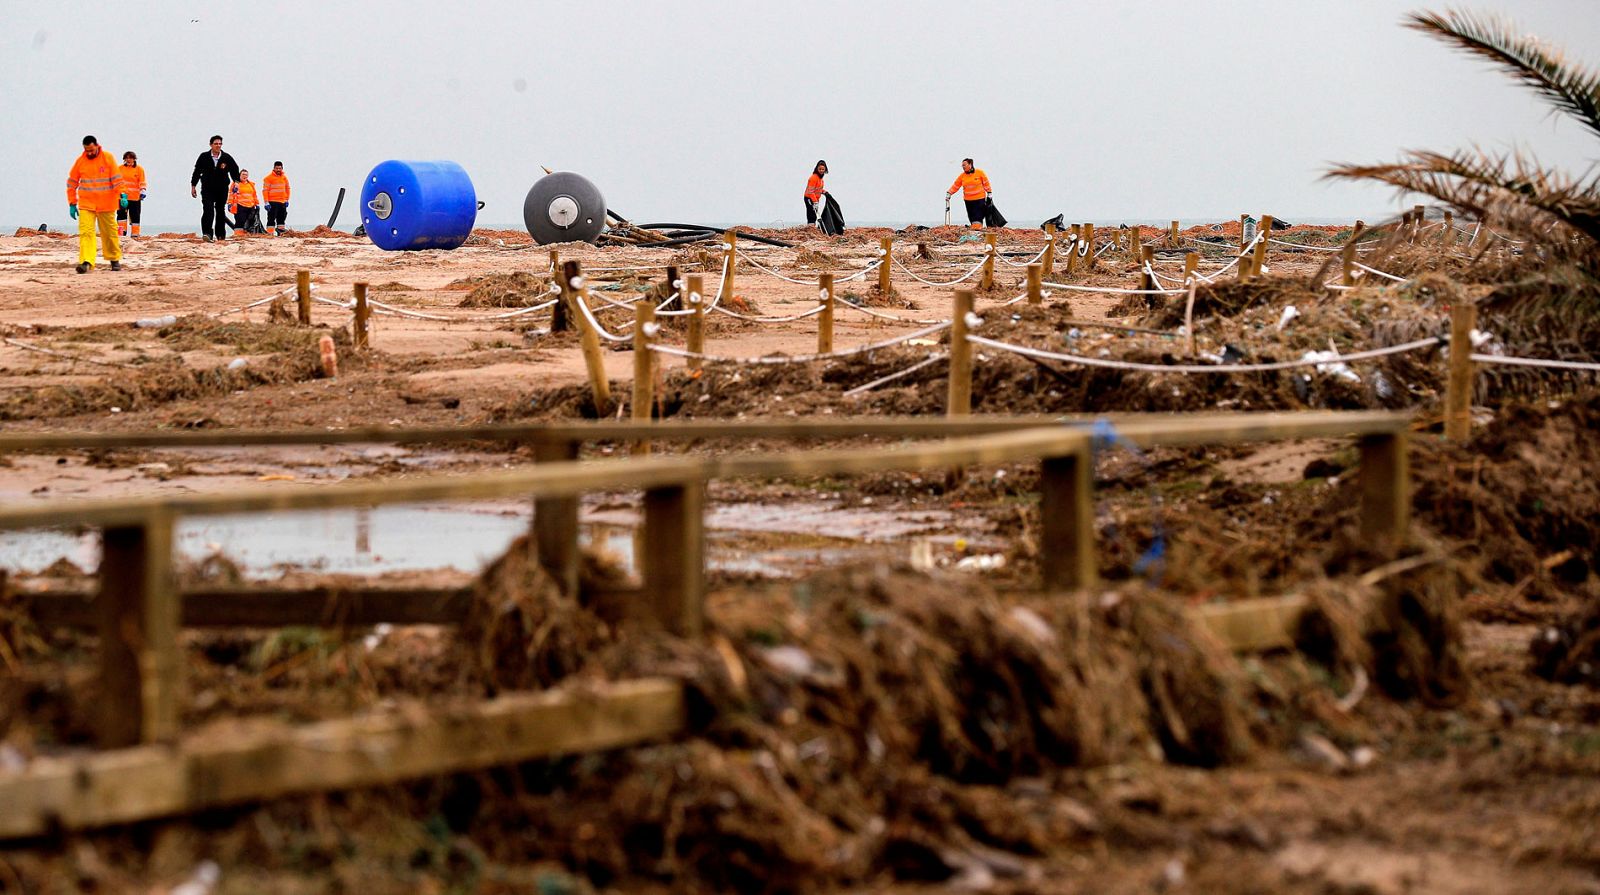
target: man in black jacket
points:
(215, 172)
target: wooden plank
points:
(594, 364)
(1385, 490)
(1004, 447)
(1254, 625)
(644, 368)
(302, 294)
(694, 298)
(360, 328)
(269, 761)
(1066, 521)
(256, 607)
(642, 473)
(672, 562)
(140, 666)
(555, 522)
(958, 393)
(1458, 382)
(885, 246)
(825, 319)
(991, 249)
(556, 480)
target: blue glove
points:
(122, 201)
(73, 210)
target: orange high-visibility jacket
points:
(275, 188)
(972, 186)
(132, 181)
(94, 184)
(243, 195)
(814, 188)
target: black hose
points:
(682, 240)
(616, 217)
(713, 230)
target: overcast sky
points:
(716, 111)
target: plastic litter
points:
(155, 322)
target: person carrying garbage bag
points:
(94, 193)
(245, 204)
(821, 209)
(978, 194)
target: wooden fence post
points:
(360, 333)
(141, 667)
(730, 246)
(672, 558)
(1265, 233)
(1191, 265)
(825, 319)
(1242, 241)
(1448, 238)
(1245, 262)
(694, 300)
(1458, 387)
(1088, 236)
(1066, 520)
(1035, 279)
(885, 246)
(1135, 243)
(560, 316)
(593, 362)
(958, 401)
(990, 250)
(1072, 248)
(1049, 259)
(1419, 216)
(555, 521)
(1172, 233)
(1146, 260)
(673, 284)
(302, 294)
(644, 367)
(1385, 490)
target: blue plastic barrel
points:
(418, 205)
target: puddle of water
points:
(415, 537)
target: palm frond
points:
(1485, 187)
(1573, 88)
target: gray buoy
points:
(564, 207)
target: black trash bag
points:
(1060, 222)
(248, 220)
(992, 216)
(832, 218)
(1280, 225)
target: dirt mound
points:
(505, 290)
(815, 260)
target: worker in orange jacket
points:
(243, 202)
(275, 191)
(133, 184)
(975, 189)
(94, 193)
(814, 192)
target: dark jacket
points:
(214, 179)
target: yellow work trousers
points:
(110, 246)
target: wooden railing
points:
(139, 611)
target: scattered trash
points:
(1329, 362)
(986, 562)
(237, 363)
(202, 881)
(155, 322)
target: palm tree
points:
(1557, 212)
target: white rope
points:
(1112, 290)
(254, 304)
(1387, 276)
(800, 358)
(1229, 266)
(1536, 362)
(801, 316)
(966, 276)
(932, 359)
(1296, 245)
(583, 308)
(1201, 368)
(871, 312)
(1032, 260)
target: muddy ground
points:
(895, 708)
